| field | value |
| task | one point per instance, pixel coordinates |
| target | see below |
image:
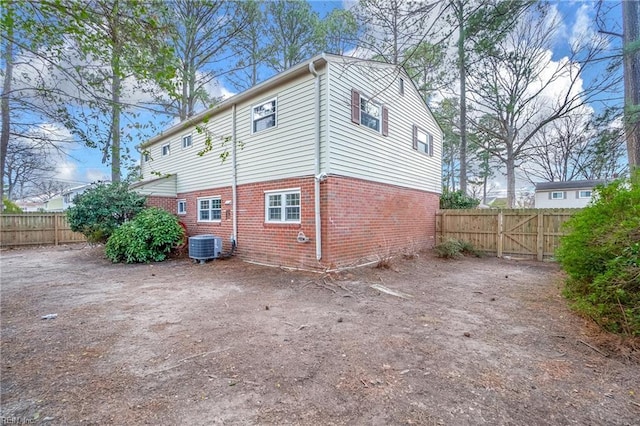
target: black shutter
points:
(355, 106)
(385, 121)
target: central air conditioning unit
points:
(204, 247)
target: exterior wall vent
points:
(204, 247)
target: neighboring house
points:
(572, 194)
(63, 201)
(29, 205)
(333, 162)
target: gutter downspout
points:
(234, 178)
(318, 177)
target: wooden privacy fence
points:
(36, 229)
(531, 233)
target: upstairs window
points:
(422, 141)
(368, 113)
(584, 194)
(166, 150)
(145, 157)
(263, 116)
(186, 141)
(401, 86)
(282, 207)
(209, 209)
(557, 195)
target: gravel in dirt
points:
(433, 342)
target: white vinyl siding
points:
(196, 172)
(357, 152)
(161, 187)
(287, 150)
(282, 206)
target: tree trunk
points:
(6, 90)
(463, 99)
(631, 46)
(511, 182)
(116, 87)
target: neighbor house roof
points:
(573, 184)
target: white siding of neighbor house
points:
(571, 201)
(359, 152)
(284, 151)
(162, 187)
(193, 172)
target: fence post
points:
(56, 228)
(500, 233)
(540, 236)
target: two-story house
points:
(333, 162)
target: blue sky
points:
(86, 166)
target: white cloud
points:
(94, 175)
(66, 171)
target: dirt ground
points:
(473, 341)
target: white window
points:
(557, 195)
(370, 113)
(422, 141)
(209, 209)
(283, 206)
(166, 149)
(401, 86)
(263, 116)
(584, 194)
(145, 157)
(186, 141)
(182, 206)
(367, 113)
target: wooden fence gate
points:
(531, 233)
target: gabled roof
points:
(573, 184)
(274, 81)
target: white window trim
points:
(379, 105)
(429, 143)
(213, 197)
(282, 192)
(275, 126)
(190, 141)
(183, 202)
(585, 196)
(168, 146)
(557, 192)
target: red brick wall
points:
(361, 221)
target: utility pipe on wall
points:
(317, 176)
(234, 178)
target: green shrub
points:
(454, 249)
(149, 237)
(457, 200)
(100, 210)
(601, 255)
(10, 207)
